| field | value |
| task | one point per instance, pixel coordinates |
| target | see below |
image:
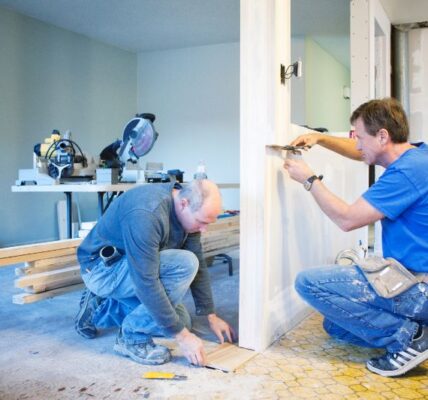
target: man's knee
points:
(189, 261)
(183, 261)
(307, 284)
(303, 283)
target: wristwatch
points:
(308, 183)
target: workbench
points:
(109, 190)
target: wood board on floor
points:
(228, 357)
(26, 298)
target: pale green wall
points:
(52, 78)
(324, 80)
(194, 93)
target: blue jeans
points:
(356, 314)
(121, 306)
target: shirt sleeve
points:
(142, 235)
(392, 194)
(201, 285)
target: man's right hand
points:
(192, 347)
(308, 139)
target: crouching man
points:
(137, 264)
(354, 310)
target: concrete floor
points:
(41, 357)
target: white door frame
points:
(370, 64)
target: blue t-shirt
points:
(401, 194)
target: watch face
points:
(308, 183)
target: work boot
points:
(83, 321)
(395, 364)
(147, 353)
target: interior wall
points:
(283, 230)
(50, 79)
(418, 84)
(194, 93)
(325, 78)
(298, 86)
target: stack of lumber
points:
(221, 236)
(50, 269)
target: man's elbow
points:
(347, 225)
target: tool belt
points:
(388, 277)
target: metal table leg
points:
(100, 204)
(68, 200)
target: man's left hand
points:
(221, 328)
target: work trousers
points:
(121, 307)
(356, 314)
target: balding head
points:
(199, 191)
(198, 204)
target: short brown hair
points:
(386, 114)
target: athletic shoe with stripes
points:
(395, 364)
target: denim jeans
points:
(356, 314)
(121, 306)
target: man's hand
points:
(192, 347)
(308, 139)
(298, 170)
(221, 328)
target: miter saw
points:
(139, 137)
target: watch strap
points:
(309, 182)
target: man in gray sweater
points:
(139, 261)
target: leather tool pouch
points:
(387, 276)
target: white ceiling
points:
(145, 25)
(140, 25)
(405, 11)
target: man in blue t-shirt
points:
(353, 311)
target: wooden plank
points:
(49, 276)
(220, 251)
(214, 234)
(36, 256)
(54, 263)
(223, 223)
(227, 242)
(228, 357)
(44, 287)
(26, 298)
(221, 238)
(15, 251)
